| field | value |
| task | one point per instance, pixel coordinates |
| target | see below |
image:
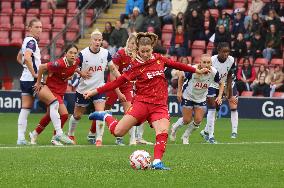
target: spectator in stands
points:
(272, 5)
(118, 37)
(184, 60)
(245, 76)
(194, 25)
(239, 48)
(136, 21)
(209, 24)
(178, 6)
(163, 9)
(256, 7)
(152, 20)
(51, 4)
(217, 4)
(221, 35)
(130, 4)
(224, 19)
(238, 24)
(272, 43)
(255, 24)
(107, 32)
(179, 20)
(262, 72)
(274, 19)
(178, 42)
(148, 4)
(257, 45)
(195, 5)
(261, 88)
(277, 78)
(26, 4)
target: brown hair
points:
(146, 39)
(34, 20)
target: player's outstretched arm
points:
(180, 82)
(19, 57)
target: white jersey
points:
(195, 87)
(222, 68)
(30, 44)
(94, 63)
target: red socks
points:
(160, 146)
(93, 128)
(63, 119)
(111, 122)
(43, 123)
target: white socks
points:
(140, 131)
(55, 117)
(100, 127)
(234, 120)
(132, 133)
(211, 122)
(178, 124)
(22, 123)
(191, 127)
(72, 126)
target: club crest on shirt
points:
(158, 62)
(31, 44)
(55, 64)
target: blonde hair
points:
(96, 32)
(132, 53)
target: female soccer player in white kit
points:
(192, 96)
(31, 59)
(93, 62)
(225, 65)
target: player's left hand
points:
(218, 100)
(90, 93)
(121, 97)
(233, 99)
(37, 87)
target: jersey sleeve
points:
(53, 66)
(31, 45)
(177, 65)
(109, 59)
(117, 58)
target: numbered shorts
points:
(81, 101)
(145, 111)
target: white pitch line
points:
(2, 146)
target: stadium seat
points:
(45, 20)
(278, 94)
(6, 12)
(4, 19)
(241, 61)
(189, 58)
(71, 35)
(74, 24)
(33, 12)
(7, 83)
(16, 37)
(89, 17)
(229, 11)
(46, 12)
(18, 19)
(71, 4)
(17, 4)
(58, 20)
(20, 12)
(44, 5)
(6, 5)
(45, 35)
(196, 52)
(276, 62)
(247, 93)
(261, 61)
(210, 48)
(196, 60)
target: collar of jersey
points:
(93, 51)
(33, 38)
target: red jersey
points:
(123, 61)
(151, 84)
(58, 74)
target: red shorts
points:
(60, 98)
(111, 97)
(145, 111)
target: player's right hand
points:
(86, 75)
(37, 87)
(121, 97)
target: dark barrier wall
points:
(254, 108)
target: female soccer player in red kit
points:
(150, 101)
(57, 80)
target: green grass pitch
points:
(254, 159)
